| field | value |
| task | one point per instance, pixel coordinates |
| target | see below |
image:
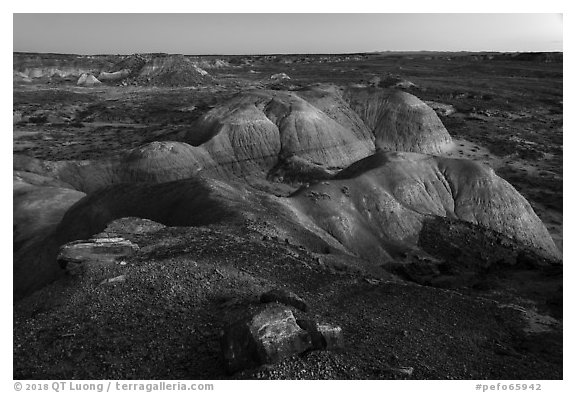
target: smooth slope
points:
(380, 203)
(399, 120)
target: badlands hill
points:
(363, 202)
(379, 205)
(400, 121)
(376, 211)
(174, 70)
(257, 133)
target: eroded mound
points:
(379, 204)
(261, 125)
(379, 209)
(155, 162)
(252, 134)
(400, 121)
(372, 213)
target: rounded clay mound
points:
(158, 162)
(261, 125)
(385, 199)
(400, 121)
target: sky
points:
(196, 33)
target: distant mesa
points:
(211, 63)
(134, 63)
(157, 70)
(42, 66)
(147, 69)
(172, 70)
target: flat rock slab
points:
(100, 250)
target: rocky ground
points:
(163, 320)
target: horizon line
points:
(289, 53)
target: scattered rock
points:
(285, 297)
(280, 76)
(121, 278)
(402, 370)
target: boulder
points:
(262, 338)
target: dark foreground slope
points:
(185, 284)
